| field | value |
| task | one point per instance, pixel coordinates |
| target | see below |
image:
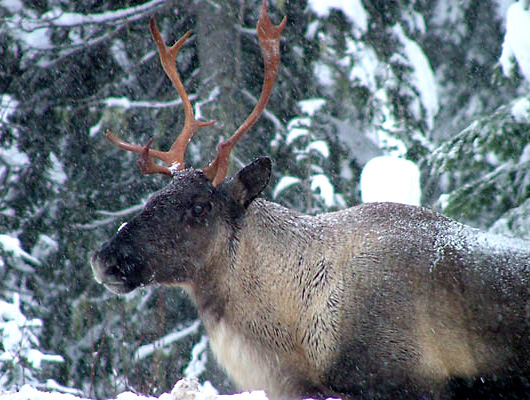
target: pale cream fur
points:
(248, 365)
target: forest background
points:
(443, 83)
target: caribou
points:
(377, 301)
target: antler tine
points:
(146, 163)
(168, 58)
(269, 42)
(174, 158)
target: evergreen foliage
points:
(414, 79)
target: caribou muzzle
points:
(118, 271)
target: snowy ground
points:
(385, 179)
(185, 389)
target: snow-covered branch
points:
(112, 216)
(126, 103)
(12, 245)
(148, 349)
(267, 114)
(59, 18)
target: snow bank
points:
(28, 392)
(185, 389)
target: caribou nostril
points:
(114, 271)
(105, 266)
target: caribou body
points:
(379, 301)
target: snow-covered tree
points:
(21, 360)
(443, 84)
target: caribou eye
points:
(200, 209)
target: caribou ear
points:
(250, 181)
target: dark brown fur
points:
(376, 301)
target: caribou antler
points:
(269, 41)
(174, 158)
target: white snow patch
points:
(36, 357)
(521, 110)
(352, 9)
(324, 74)
(443, 200)
(94, 130)
(393, 146)
(212, 97)
(27, 392)
(12, 245)
(284, 183)
(184, 389)
(322, 184)
(381, 133)
(199, 357)
(365, 64)
(516, 45)
(160, 344)
(13, 6)
(296, 128)
(449, 12)
(123, 225)
(311, 106)
(8, 106)
(320, 146)
(414, 20)
(502, 7)
(390, 179)
(56, 172)
(14, 157)
(45, 246)
(525, 154)
(121, 102)
(312, 30)
(50, 391)
(190, 388)
(119, 54)
(422, 78)
(30, 31)
(299, 122)
(54, 386)
(58, 17)
(17, 334)
(294, 134)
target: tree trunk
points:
(218, 43)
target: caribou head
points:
(177, 231)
